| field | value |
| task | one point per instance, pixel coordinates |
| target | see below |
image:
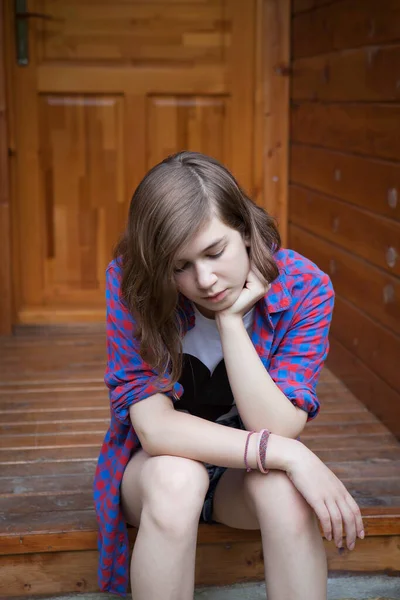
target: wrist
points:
(282, 452)
(227, 320)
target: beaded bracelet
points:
(248, 468)
(262, 450)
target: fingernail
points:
(351, 547)
(329, 537)
(340, 544)
(362, 534)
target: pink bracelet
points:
(248, 468)
(262, 450)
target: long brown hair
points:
(174, 200)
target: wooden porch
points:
(54, 412)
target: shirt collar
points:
(276, 300)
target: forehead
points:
(212, 231)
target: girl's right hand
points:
(327, 495)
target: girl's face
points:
(212, 268)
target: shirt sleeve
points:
(128, 377)
(297, 363)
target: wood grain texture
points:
(371, 289)
(335, 220)
(112, 90)
(377, 347)
(216, 564)
(138, 32)
(276, 54)
(380, 398)
(306, 5)
(369, 74)
(343, 25)
(6, 315)
(366, 129)
(48, 531)
(361, 181)
(345, 181)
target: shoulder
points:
(301, 277)
(113, 284)
(114, 269)
(113, 275)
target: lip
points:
(217, 297)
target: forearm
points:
(181, 434)
(260, 402)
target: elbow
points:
(150, 420)
(147, 441)
(288, 432)
(298, 423)
(150, 440)
(153, 438)
(293, 426)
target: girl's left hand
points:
(254, 289)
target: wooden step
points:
(53, 415)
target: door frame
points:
(271, 130)
(6, 286)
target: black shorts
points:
(215, 473)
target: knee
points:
(278, 503)
(173, 490)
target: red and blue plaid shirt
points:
(290, 334)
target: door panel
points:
(82, 183)
(109, 90)
(188, 122)
(136, 31)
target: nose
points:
(205, 277)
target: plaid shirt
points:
(290, 334)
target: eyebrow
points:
(212, 245)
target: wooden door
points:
(109, 89)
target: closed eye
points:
(178, 270)
(217, 255)
(181, 269)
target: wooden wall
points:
(344, 205)
(5, 218)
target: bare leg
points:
(163, 496)
(294, 554)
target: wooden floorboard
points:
(54, 412)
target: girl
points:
(216, 338)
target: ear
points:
(247, 241)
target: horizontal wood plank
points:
(47, 440)
(304, 5)
(354, 279)
(63, 483)
(365, 129)
(363, 75)
(375, 554)
(350, 441)
(72, 79)
(46, 469)
(334, 220)
(50, 414)
(78, 451)
(339, 26)
(369, 184)
(14, 504)
(77, 571)
(387, 453)
(377, 347)
(74, 426)
(380, 398)
(386, 523)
